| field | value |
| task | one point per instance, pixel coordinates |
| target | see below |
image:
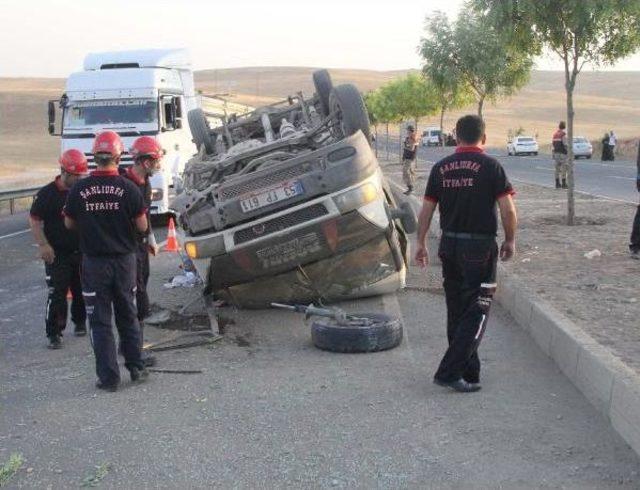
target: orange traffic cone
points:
(172, 241)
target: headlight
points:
(206, 247)
(355, 198)
(157, 194)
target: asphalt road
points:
(271, 411)
(613, 180)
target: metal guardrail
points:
(13, 194)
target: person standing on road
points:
(107, 210)
(559, 153)
(147, 155)
(466, 186)
(613, 141)
(59, 249)
(409, 158)
(634, 244)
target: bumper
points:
(526, 149)
(582, 153)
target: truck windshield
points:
(111, 112)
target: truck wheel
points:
(383, 334)
(350, 113)
(323, 85)
(200, 131)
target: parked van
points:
(431, 137)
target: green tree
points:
(598, 32)
(451, 93)
(382, 102)
(414, 97)
(410, 97)
(473, 52)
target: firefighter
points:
(107, 210)
(465, 187)
(147, 155)
(59, 249)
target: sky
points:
(50, 38)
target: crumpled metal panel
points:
(337, 277)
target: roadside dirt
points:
(601, 294)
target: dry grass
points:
(604, 101)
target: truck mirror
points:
(169, 110)
(52, 117)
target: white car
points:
(522, 145)
(582, 147)
(431, 137)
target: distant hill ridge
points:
(277, 81)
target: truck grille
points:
(233, 190)
(280, 223)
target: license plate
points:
(281, 192)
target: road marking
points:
(599, 196)
(618, 177)
(545, 168)
(14, 234)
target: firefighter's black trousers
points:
(110, 281)
(63, 275)
(142, 278)
(469, 272)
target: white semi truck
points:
(134, 93)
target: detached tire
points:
(351, 116)
(200, 131)
(384, 334)
(323, 86)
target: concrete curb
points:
(610, 385)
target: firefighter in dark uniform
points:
(147, 155)
(466, 186)
(59, 249)
(107, 210)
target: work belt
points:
(468, 236)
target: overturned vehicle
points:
(287, 203)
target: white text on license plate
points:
(281, 192)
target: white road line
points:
(599, 196)
(545, 168)
(14, 234)
(619, 177)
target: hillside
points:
(604, 101)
